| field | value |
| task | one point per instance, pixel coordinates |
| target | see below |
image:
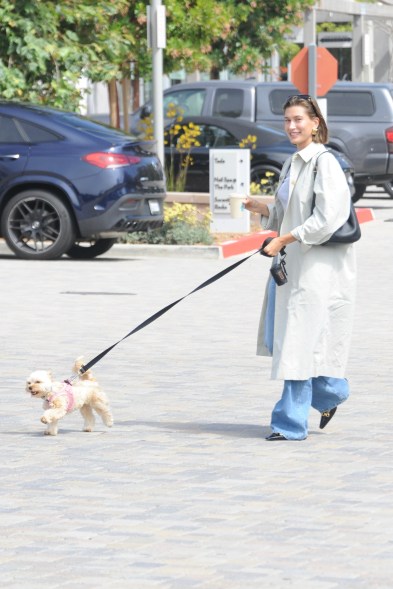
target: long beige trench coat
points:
(314, 310)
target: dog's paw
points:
(48, 432)
(44, 419)
(87, 429)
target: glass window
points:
(212, 136)
(277, 99)
(339, 103)
(9, 132)
(189, 103)
(353, 104)
(228, 102)
(209, 136)
(88, 126)
(35, 134)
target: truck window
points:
(188, 103)
(353, 104)
(277, 99)
(228, 102)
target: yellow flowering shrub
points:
(180, 139)
(249, 142)
(183, 224)
(266, 186)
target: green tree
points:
(216, 35)
(36, 62)
(46, 47)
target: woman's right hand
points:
(252, 205)
(255, 206)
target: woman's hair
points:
(313, 110)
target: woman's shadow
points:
(233, 430)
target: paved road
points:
(184, 492)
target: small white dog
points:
(61, 398)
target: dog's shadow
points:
(233, 430)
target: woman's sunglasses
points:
(302, 97)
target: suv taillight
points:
(103, 159)
(389, 138)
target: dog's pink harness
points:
(65, 391)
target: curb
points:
(168, 251)
(255, 240)
(226, 249)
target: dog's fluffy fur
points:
(87, 396)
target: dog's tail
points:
(78, 365)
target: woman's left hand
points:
(274, 247)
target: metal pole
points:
(158, 44)
(312, 70)
(310, 42)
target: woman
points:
(306, 323)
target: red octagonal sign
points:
(327, 70)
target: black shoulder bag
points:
(350, 231)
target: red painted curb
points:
(254, 241)
(365, 215)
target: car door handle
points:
(14, 156)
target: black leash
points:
(161, 312)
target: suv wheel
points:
(86, 250)
(36, 225)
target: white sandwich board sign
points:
(229, 174)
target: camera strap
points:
(84, 368)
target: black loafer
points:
(326, 417)
(275, 436)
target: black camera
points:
(279, 273)
(278, 270)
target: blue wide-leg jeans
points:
(290, 414)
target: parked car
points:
(359, 115)
(72, 186)
(271, 151)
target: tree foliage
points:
(47, 46)
(213, 35)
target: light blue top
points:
(283, 192)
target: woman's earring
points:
(314, 131)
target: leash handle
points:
(265, 243)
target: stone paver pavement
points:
(184, 492)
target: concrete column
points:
(362, 50)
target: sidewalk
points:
(184, 492)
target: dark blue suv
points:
(71, 186)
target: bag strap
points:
(315, 173)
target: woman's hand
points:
(274, 247)
(254, 206)
(277, 243)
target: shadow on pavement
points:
(235, 430)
